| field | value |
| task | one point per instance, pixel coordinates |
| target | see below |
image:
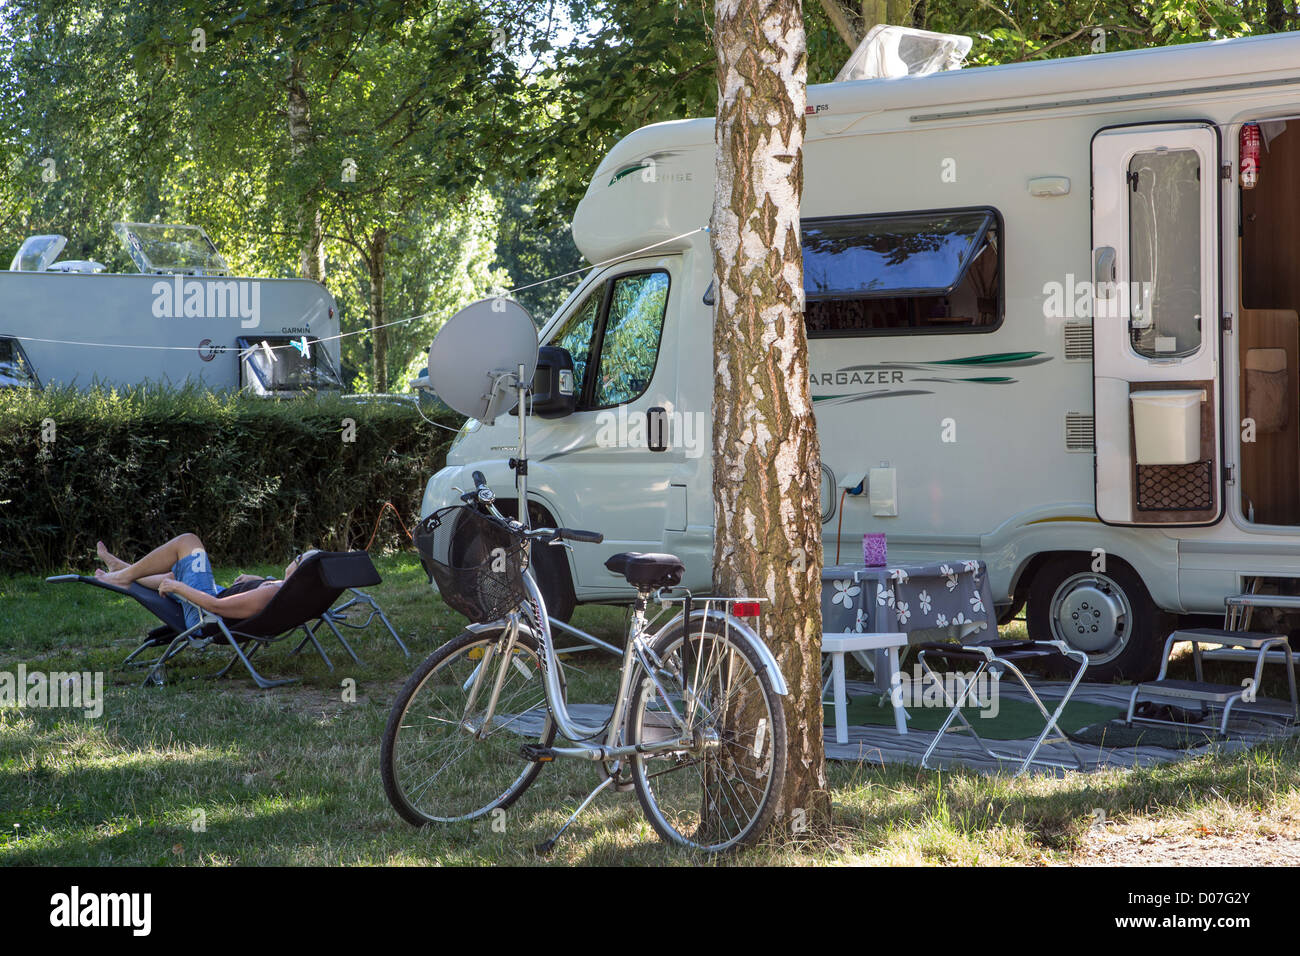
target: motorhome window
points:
(1165, 251)
(629, 346)
(287, 368)
(15, 370)
(900, 274)
(578, 332)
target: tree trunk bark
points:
(378, 334)
(874, 13)
(766, 458)
(311, 259)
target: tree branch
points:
(840, 22)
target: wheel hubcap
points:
(1090, 612)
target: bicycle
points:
(696, 728)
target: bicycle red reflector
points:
(745, 609)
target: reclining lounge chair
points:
(304, 601)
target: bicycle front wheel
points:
(439, 761)
(720, 791)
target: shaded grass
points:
(291, 776)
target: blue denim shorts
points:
(194, 570)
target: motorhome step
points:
(1216, 635)
(1191, 690)
(1283, 601)
(1246, 655)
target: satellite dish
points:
(474, 360)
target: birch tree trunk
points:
(766, 458)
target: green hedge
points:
(257, 479)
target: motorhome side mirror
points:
(554, 394)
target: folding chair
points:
(306, 597)
(996, 658)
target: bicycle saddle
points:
(647, 571)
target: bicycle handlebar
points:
(484, 494)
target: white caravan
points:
(180, 319)
(1052, 315)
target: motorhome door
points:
(1155, 319)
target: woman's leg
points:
(157, 561)
(111, 561)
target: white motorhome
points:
(1053, 316)
(180, 319)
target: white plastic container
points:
(1167, 426)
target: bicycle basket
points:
(477, 563)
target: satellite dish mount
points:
(482, 363)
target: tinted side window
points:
(630, 345)
(897, 274)
(577, 333)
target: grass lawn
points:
(291, 776)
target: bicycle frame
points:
(636, 655)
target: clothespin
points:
(302, 346)
(266, 347)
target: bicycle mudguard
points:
(762, 650)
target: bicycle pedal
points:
(535, 753)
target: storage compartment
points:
(1167, 426)
(1267, 390)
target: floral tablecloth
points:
(926, 601)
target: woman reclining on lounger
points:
(180, 569)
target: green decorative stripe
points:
(996, 358)
(627, 172)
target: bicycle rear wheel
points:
(721, 791)
(434, 766)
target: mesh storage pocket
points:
(477, 564)
(1175, 487)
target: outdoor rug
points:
(1094, 717)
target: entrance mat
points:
(1116, 735)
(1014, 720)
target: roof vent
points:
(888, 51)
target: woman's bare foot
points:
(111, 561)
(112, 577)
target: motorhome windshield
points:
(276, 364)
(170, 249)
(36, 253)
(15, 370)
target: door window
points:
(579, 332)
(616, 331)
(630, 344)
(1165, 252)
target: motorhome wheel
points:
(1108, 614)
